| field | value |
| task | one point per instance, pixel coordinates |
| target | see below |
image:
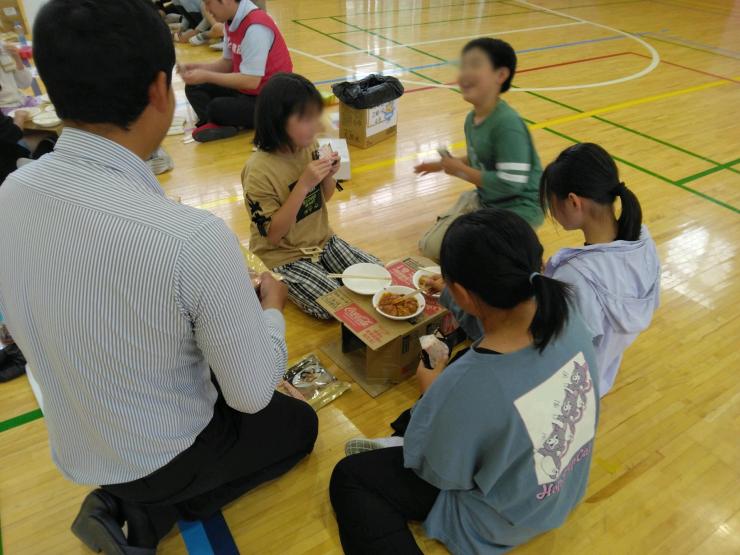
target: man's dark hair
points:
(98, 58)
(284, 94)
(500, 53)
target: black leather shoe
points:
(98, 526)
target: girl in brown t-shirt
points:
(286, 190)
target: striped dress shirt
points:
(123, 301)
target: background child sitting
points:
(501, 161)
(13, 77)
(286, 192)
(616, 273)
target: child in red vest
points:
(224, 93)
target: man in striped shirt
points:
(156, 359)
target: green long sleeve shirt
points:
(502, 149)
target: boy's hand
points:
(315, 173)
(13, 51)
(453, 166)
(428, 167)
(194, 76)
(272, 293)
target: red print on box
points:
(355, 318)
(402, 274)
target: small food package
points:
(314, 383)
(433, 351)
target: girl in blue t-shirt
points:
(498, 449)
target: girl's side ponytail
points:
(630, 220)
(553, 308)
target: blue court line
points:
(674, 38)
(449, 62)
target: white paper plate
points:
(429, 271)
(399, 290)
(46, 119)
(366, 286)
(32, 111)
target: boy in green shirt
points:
(501, 161)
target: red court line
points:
(579, 61)
(662, 61)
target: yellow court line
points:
(541, 125)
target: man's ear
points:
(159, 93)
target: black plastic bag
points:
(369, 92)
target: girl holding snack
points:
(616, 273)
(501, 160)
(287, 184)
(499, 447)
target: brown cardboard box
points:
(10, 13)
(376, 351)
(365, 128)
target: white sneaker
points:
(172, 18)
(217, 46)
(198, 40)
(160, 162)
(363, 445)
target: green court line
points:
(704, 50)
(20, 420)
(680, 183)
(727, 166)
(441, 21)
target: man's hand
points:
(20, 118)
(194, 76)
(428, 167)
(434, 284)
(273, 294)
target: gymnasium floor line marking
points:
(651, 36)
(401, 68)
(20, 420)
(471, 4)
(451, 39)
(711, 47)
(664, 61)
(645, 170)
(655, 57)
(699, 175)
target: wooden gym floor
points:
(661, 99)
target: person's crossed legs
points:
(221, 111)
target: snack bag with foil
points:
(316, 384)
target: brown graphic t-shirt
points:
(267, 179)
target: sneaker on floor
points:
(172, 18)
(217, 46)
(363, 445)
(213, 132)
(199, 40)
(160, 162)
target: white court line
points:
(452, 39)
(654, 61)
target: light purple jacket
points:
(617, 288)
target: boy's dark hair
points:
(587, 170)
(497, 256)
(98, 58)
(284, 94)
(499, 52)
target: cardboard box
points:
(340, 146)
(365, 128)
(11, 13)
(376, 351)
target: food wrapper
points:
(256, 267)
(314, 383)
(433, 351)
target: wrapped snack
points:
(256, 267)
(316, 384)
(433, 351)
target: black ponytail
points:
(587, 170)
(497, 256)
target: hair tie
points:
(619, 189)
(532, 276)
